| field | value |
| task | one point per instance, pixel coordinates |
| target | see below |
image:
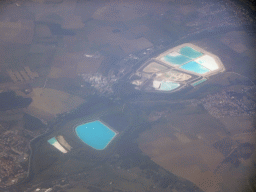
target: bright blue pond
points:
(195, 67)
(199, 82)
(190, 52)
(95, 134)
(52, 141)
(168, 86)
(178, 60)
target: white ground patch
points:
(208, 62)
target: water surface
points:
(95, 134)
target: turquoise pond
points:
(168, 86)
(186, 55)
(195, 67)
(95, 134)
(190, 52)
(199, 82)
(52, 141)
(177, 60)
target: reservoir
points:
(195, 67)
(176, 58)
(190, 52)
(95, 134)
(168, 86)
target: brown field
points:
(194, 160)
(234, 41)
(184, 146)
(17, 32)
(238, 125)
(89, 65)
(104, 35)
(119, 12)
(50, 102)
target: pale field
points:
(55, 72)
(245, 137)
(124, 11)
(47, 103)
(73, 22)
(64, 9)
(72, 64)
(85, 66)
(141, 29)
(21, 31)
(104, 35)
(154, 67)
(237, 125)
(65, 65)
(89, 65)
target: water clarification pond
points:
(95, 134)
(190, 52)
(195, 67)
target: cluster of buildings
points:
(101, 83)
(213, 15)
(229, 103)
(14, 153)
(15, 137)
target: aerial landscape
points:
(127, 96)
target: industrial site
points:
(176, 68)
